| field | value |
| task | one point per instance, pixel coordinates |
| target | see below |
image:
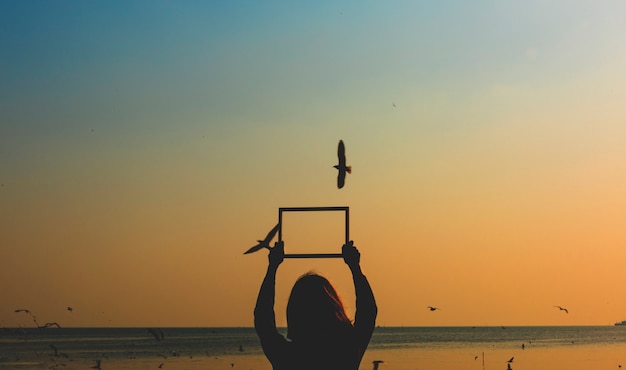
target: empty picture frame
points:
(346, 211)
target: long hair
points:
(315, 312)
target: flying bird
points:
(160, 335)
(98, 365)
(265, 243)
(69, 308)
(30, 313)
(511, 359)
(562, 309)
(49, 324)
(57, 353)
(433, 308)
(341, 166)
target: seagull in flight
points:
(49, 324)
(160, 335)
(32, 315)
(341, 166)
(433, 308)
(265, 243)
(562, 309)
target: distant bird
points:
(49, 324)
(433, 308)
(157, 335)
(69, 308)
(265, 243)
(341, 167)
(394, 104)
(98, 365)
(57, 353)
(562, 309)
(511, 359)
(376, 363)
(31, 315)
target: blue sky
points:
(142, 136)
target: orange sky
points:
(138, 164)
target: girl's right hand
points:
(277, 254)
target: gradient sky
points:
(145, 145)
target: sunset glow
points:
(145, 146)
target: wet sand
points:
(574, 357)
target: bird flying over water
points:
(341, 166)
(32, 315)
(160, 335)
(562, 309)
(49, 324)
(265, 243)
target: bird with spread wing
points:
(562, 309)
(341, 166)
(265, 243)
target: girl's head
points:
(315, 311)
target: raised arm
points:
(264, 316)
(366, 310)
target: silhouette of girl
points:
(319, 333)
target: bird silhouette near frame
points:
(265, 243)
(341, 166)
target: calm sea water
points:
(238, 348)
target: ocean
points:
(433, 348)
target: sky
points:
(145, 145)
